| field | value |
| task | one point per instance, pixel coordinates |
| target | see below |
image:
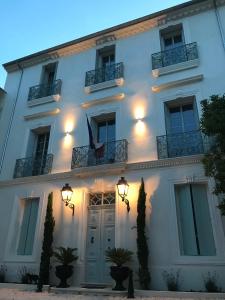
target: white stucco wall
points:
(135, 53)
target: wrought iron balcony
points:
(44, 90)
(113, 71)
(174, 56)
(32, 167)
(109, 153)
(182, 144)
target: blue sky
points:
(28, 26)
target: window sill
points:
(176, 68)
(103, 85)
(43, 100)
(200, 260)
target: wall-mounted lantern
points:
(67, 193)
(123, 187)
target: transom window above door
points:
(96, 199)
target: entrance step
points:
(88, 291)
(96, 285)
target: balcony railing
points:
(109, 153)
(32, 167)
(182, 144)
(113, 71)
(174, 56)
(44, 90)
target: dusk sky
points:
(28, 26)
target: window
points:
(48, 74)
(194, 223)
(105, 60)
(28, 226)
(105, 134)
(181, 117)
(97, 199)
(38, 149)
(182, 127)
(172, 37)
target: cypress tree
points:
(46, 246)
(142, 246)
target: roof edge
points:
(102, 32)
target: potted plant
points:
(119, 273)
(65, 256)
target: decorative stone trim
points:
(176, 83)
(108, 169)
(113, 98)
(105, 39)
(43, 100)
(175, 68)
(168, 162)
(42, 114)
(103, 85)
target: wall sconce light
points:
(67, 193)
(123, 187)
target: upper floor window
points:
(172, 37)
(194, 222)
(105, 57)
(28, 226)
(37, 160)
(48, 74)
(181, 117)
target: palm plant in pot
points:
(65, 256)
(119, 256)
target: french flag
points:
(98, 147)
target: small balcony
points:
(109, 153)
(106, 77)
(175, 59)
(30, 166)
(181, 144)
(44, 91)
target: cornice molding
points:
(102, 170)
(176, 83)
(42, 114)
(118, 32)
(93, 102)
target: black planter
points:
(119, 274)
(63, 272)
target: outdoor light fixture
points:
(67, 193)
(122, 187)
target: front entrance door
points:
(100, 236)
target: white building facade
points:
(140, 84)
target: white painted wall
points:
(135, 52)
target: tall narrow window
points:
(48, 78)
(41, 153)
(105, 63)
(182, 127)
(194, 223)
(28, 226)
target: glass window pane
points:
(188, 118)
(102, 132)
(185, 220)
(177, 39)
(203, 222)
(175, 120)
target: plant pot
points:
(63, 272)
(119, 274)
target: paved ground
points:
(15, 294)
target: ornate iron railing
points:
(31, 167)
(182, 144)
(109, 153)
(174, 56)
(110, 72)
(44, 90)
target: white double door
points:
(100, 237)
